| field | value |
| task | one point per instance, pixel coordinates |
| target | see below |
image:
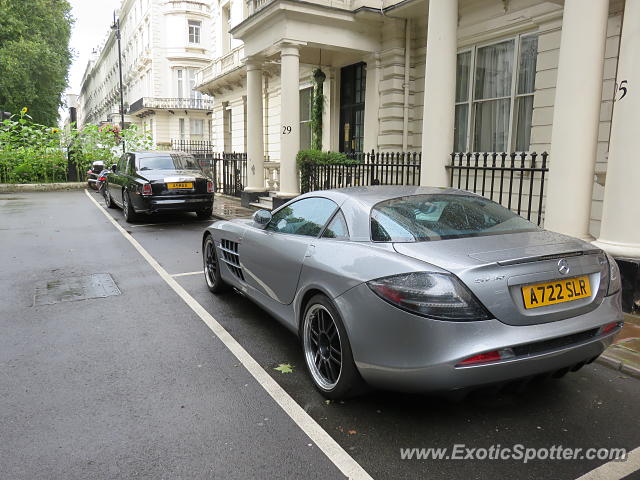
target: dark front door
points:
(352, 92)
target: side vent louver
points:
(231, 258)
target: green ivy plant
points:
(317, 108)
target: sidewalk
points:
(226, 207)
(624, 354)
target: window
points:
(306, 99)
(228, 128)
(197, 129)
(194, 31)
(181, 128)
(180, 83)
(304, 217)
(193, 93)
(337, 228)
(420, 218)
(167, 161)
(494, 96)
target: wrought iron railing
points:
(515, 180)
(171, 103)
(370, 168)
(228, 170)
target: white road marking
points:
(187, 274)
(340, 458)
(615, 470)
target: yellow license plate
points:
(175, 186)
(558, 291)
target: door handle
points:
(310, 251)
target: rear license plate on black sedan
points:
(558, 291)
(179, 185)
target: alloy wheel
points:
(322, 347)
(107, 197)
(210, 263)
(125, 204)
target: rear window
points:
(168, 162)
(420, 218)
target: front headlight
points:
(434, 295)
(615, 280)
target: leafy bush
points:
(307, 158)
(33, 153)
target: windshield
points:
(169, 161)
(420, 218)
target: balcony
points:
(189, 6)
(254, 6)
(222, 65)
(141, 106)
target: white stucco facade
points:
(164, 44)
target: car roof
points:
(151, 153)
(356, 202)
(369, 196)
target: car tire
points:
(127, 208)
(327, 351)
(108, 201)
(206, 213)
(211, 267)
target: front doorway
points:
(352, 94)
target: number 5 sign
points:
(621, 88)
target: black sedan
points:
(155, 182)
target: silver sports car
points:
(419, 289)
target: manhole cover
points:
(71, 289)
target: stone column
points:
(439, 92)
(289, 120)
(620, 229)
(576, 117)
(255, 133)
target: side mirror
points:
(261, 218)
(114, 167)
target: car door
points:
(272, 258)
(117, 179)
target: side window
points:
(131, 164)
(122, 162)
(337, 228)
(304, 217)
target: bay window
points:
(494, 96)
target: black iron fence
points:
(515, 180)
(227, 170)
(368, 168)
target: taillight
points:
(146, 189)
(486, 357)
(434, 295)
(209, 186)
(102, 179)
(89, 171)
(608, 328)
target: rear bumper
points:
(175, 203)
(401, 351)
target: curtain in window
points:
(460, 129)
(494, 70)
(526, 87)
(491, 126)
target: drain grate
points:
(72, 289)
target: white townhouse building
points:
(442, 76)
(164, 44)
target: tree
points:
(34, 56)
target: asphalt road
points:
(136, 385)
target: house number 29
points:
(286, 129)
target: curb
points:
(610, 361)
(40, 187)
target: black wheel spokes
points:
(212, 265)
(328, 359)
